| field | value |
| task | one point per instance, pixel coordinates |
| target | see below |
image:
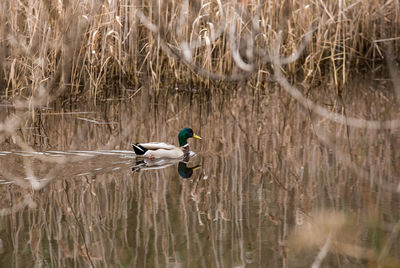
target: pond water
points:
(271, 184)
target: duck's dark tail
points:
(139, 149)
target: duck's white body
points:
(162, 150)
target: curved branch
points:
(307, 103)
(235, 51)
(176, 54)
(214, 34)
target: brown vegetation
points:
(108, 48)
(272, 163)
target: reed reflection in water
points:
(272, 185)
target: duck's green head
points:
(185, 134)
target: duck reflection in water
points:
(186, 172)
(150, 164)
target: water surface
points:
(271, 184)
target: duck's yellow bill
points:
(196, 167)
(196, 137)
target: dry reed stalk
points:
(106, 44)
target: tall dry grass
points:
(109, 48)
(71, 50)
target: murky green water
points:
(271, 185)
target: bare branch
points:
(307, 103)
(322, 252)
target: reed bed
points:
(109, 48)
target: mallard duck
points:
(155, 150)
